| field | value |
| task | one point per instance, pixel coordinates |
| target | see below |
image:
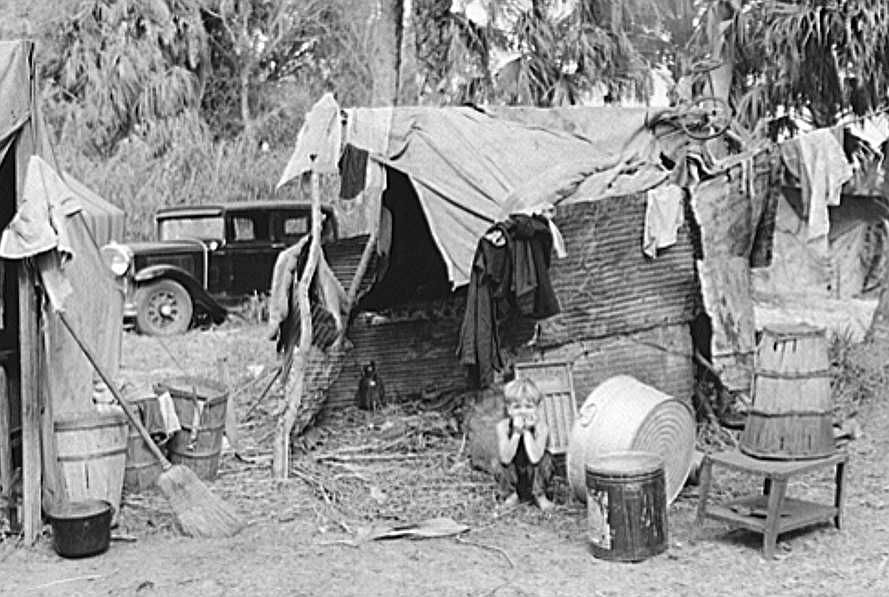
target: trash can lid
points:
(630, 462)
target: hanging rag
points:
(510, 275)
(531, 248)
(353, 171)
(318, 144)
(663, 218)
(38, 225)
(479, 342)
(168, 413)
(547, 211)
(822, 169)
(367, 141)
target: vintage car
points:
(207, 259)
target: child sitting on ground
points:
(525, 466)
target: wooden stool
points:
(772, 513)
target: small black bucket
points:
(82, 528)
(626, 506)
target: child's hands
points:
(518, 423)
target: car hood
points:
(165, 246)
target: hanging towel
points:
(663, 218)
(168, 413)
(823, 170)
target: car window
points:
(243, 228)
(246, 227)
(204, 228)
(296, 226)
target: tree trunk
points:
(246, 115)
(385, 24)
(408, 69)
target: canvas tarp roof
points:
(105, 220)
(471, 168)
(15, 86)
(49, 228)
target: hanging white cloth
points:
(663, 218)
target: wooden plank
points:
(5, 447)
(30, 387)
(797, 513)
(777, 469)
(53, 480)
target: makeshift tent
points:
(434, 180)
(470, 168)
(105, 220)
(51, 261)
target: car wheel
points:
(163, 308)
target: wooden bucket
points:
(622, 414)
(792, 413)
(143, 468)
(92, 450)
(200, 405)
(626, 506)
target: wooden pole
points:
(295, 373)
(30, 387)
(5, 447)
(366, 255)
(54, 486)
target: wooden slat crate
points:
(554, 379)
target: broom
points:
(198, 511)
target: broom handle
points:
(127, 409)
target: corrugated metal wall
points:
(622, 313)
(660, 357)
(606, 285)
(343, 257)
(409, 354)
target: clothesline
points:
(857, 120)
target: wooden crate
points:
(555, 380)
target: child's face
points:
(522, 409)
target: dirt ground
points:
(293, 544)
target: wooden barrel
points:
(200, 405)
(626, 506)
(143, 468)
(92, 449)
(621, 414)
(792, 413)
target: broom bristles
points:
(199, 512)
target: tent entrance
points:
(412, 269)
(10, 402)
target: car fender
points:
(198, 295)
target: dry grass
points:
(353, 468)
(860, 374)
(401, 464)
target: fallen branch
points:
(265, 392)
(493, 548)
(369, 457)
(326, 494)
(62, 581)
